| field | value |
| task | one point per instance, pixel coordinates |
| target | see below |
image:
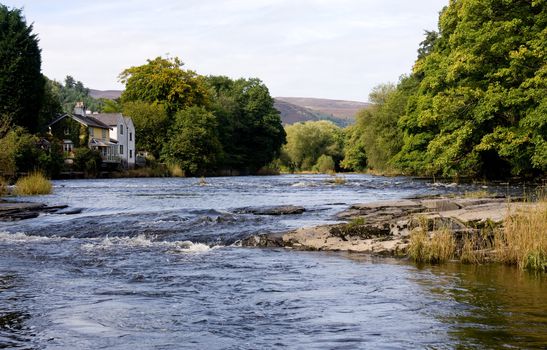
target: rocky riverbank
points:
(384, 227)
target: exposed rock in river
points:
(273, 210)
(384, 227)
(14, 211)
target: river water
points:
(156, 264)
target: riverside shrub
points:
(33, 184)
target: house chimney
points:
(79, 108)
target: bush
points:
(87, 160)
(325, 164)
(33, 184)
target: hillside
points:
(109, 94)
(339, 109)
(292, 109)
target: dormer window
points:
(121, 129)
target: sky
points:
(337, 49)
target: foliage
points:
(308, 141)
(250, 128)
(193, 141)
(73, 91)
(325, 164)
(151, 125)
(376, 138)
(480, 106)
(21, 154)
(162, 80)
(111, 106)
(51, 103)
(33, 184)
(21, 82)
(87, 160)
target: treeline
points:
(203, 125)
(475, 103)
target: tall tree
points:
(21, 82)
(250, 127)
(151, 125)
(193, 141)
(481, 101)
(162, 80)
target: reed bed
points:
(33, 184)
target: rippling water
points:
(154, 263)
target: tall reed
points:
(33, 184)
(438, 248)
(523, 241)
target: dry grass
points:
(475, 248)
(523, 241)
(33, 184)
(175, 170)
(437, 248)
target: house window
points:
(121, 129)
(104, 134)
(121, 149)
(130, 136)
(67, 131)
(91, 132)
(131, 153)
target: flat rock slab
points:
(15, 211)
(384, 227)
(273, 210)
(400, 203)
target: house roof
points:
(85, 120)
(108, 118)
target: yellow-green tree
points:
(163, 80)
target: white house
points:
(123, 134)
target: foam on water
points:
(141, 241)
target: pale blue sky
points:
(337, 49)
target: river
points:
(156, 264)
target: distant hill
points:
(292, 109)
(109, 94)
(324, 108)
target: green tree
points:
(162, 80)
(308, 141)
(250, 128)
(151, 125)
(74, 91)
(21, 82)
(480, 105)
(193, 141)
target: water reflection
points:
(491, 306)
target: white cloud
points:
(321, 48)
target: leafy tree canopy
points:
(480, 104)
(162, 80)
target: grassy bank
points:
(521, 241)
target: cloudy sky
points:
(336, 49)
